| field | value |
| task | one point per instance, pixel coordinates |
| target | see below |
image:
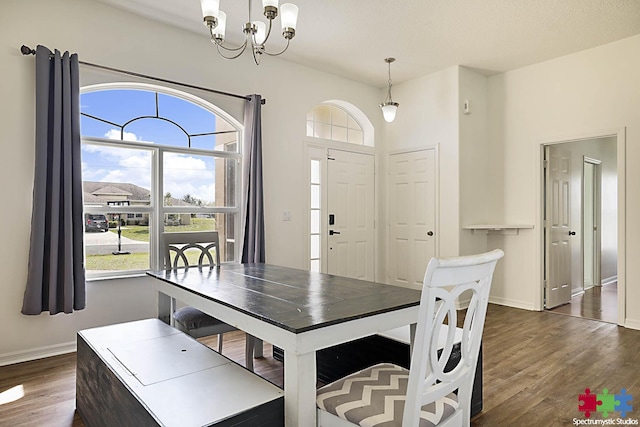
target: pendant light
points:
(389, 108)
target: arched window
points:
(154, 160)
(329, 121)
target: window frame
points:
(156, 209)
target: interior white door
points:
(412, 207)
(351, 208)
(558, 227)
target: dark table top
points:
(294, 300)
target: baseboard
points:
(37, 353)
(632, 324)
(609, 280)
(512, 303)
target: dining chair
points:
(426, 394)
(187, 249)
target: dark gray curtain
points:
(253, 247)
(56, 277)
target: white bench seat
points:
(148, 373)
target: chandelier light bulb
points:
(210, 8)
(289, 16)
(219, 31)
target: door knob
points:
(429, 233)
(331, 232)
(572, 233)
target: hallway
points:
(597, 303)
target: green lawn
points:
(141, 232)
(135, 261)
(140, 261)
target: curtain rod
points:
(26, 50)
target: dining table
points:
(296, 310)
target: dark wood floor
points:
(598, 303)
(535, 366)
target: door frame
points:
(620, 136)
(312, 149)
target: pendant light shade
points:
(389, 111)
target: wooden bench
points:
(146, 373)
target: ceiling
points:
(351, 38)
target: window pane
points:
(106, 251)
(322, 114)
(190, 180)
(322, 131)
(315, 246)
(353, 124)
(340, 134)
(98, 129)
(193, 118)
(309, 128)
(115, 174)
(315, 196)
(338, 117)
(315, 171)
(315, 265)
(156, 131)
(356, 136)
(118, 105)
(315, 221)
(224, 224)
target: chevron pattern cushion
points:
(375, 397)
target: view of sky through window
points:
(184, 174)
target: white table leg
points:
(299, 389)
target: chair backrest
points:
(444, 281)
(194, 248)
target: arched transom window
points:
(328, 121)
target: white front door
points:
(558, 227)
(412, 207)
(351, 208)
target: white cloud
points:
(126, 136)
(184, 174)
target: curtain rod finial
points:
(26, 50)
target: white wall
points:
(590, 93)
(118, 39)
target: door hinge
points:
(545, 163)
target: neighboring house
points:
(101, 193)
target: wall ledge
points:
(497, 228)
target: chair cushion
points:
(192, 318)
(376, 396)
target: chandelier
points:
(256, 32)
(389, 108)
